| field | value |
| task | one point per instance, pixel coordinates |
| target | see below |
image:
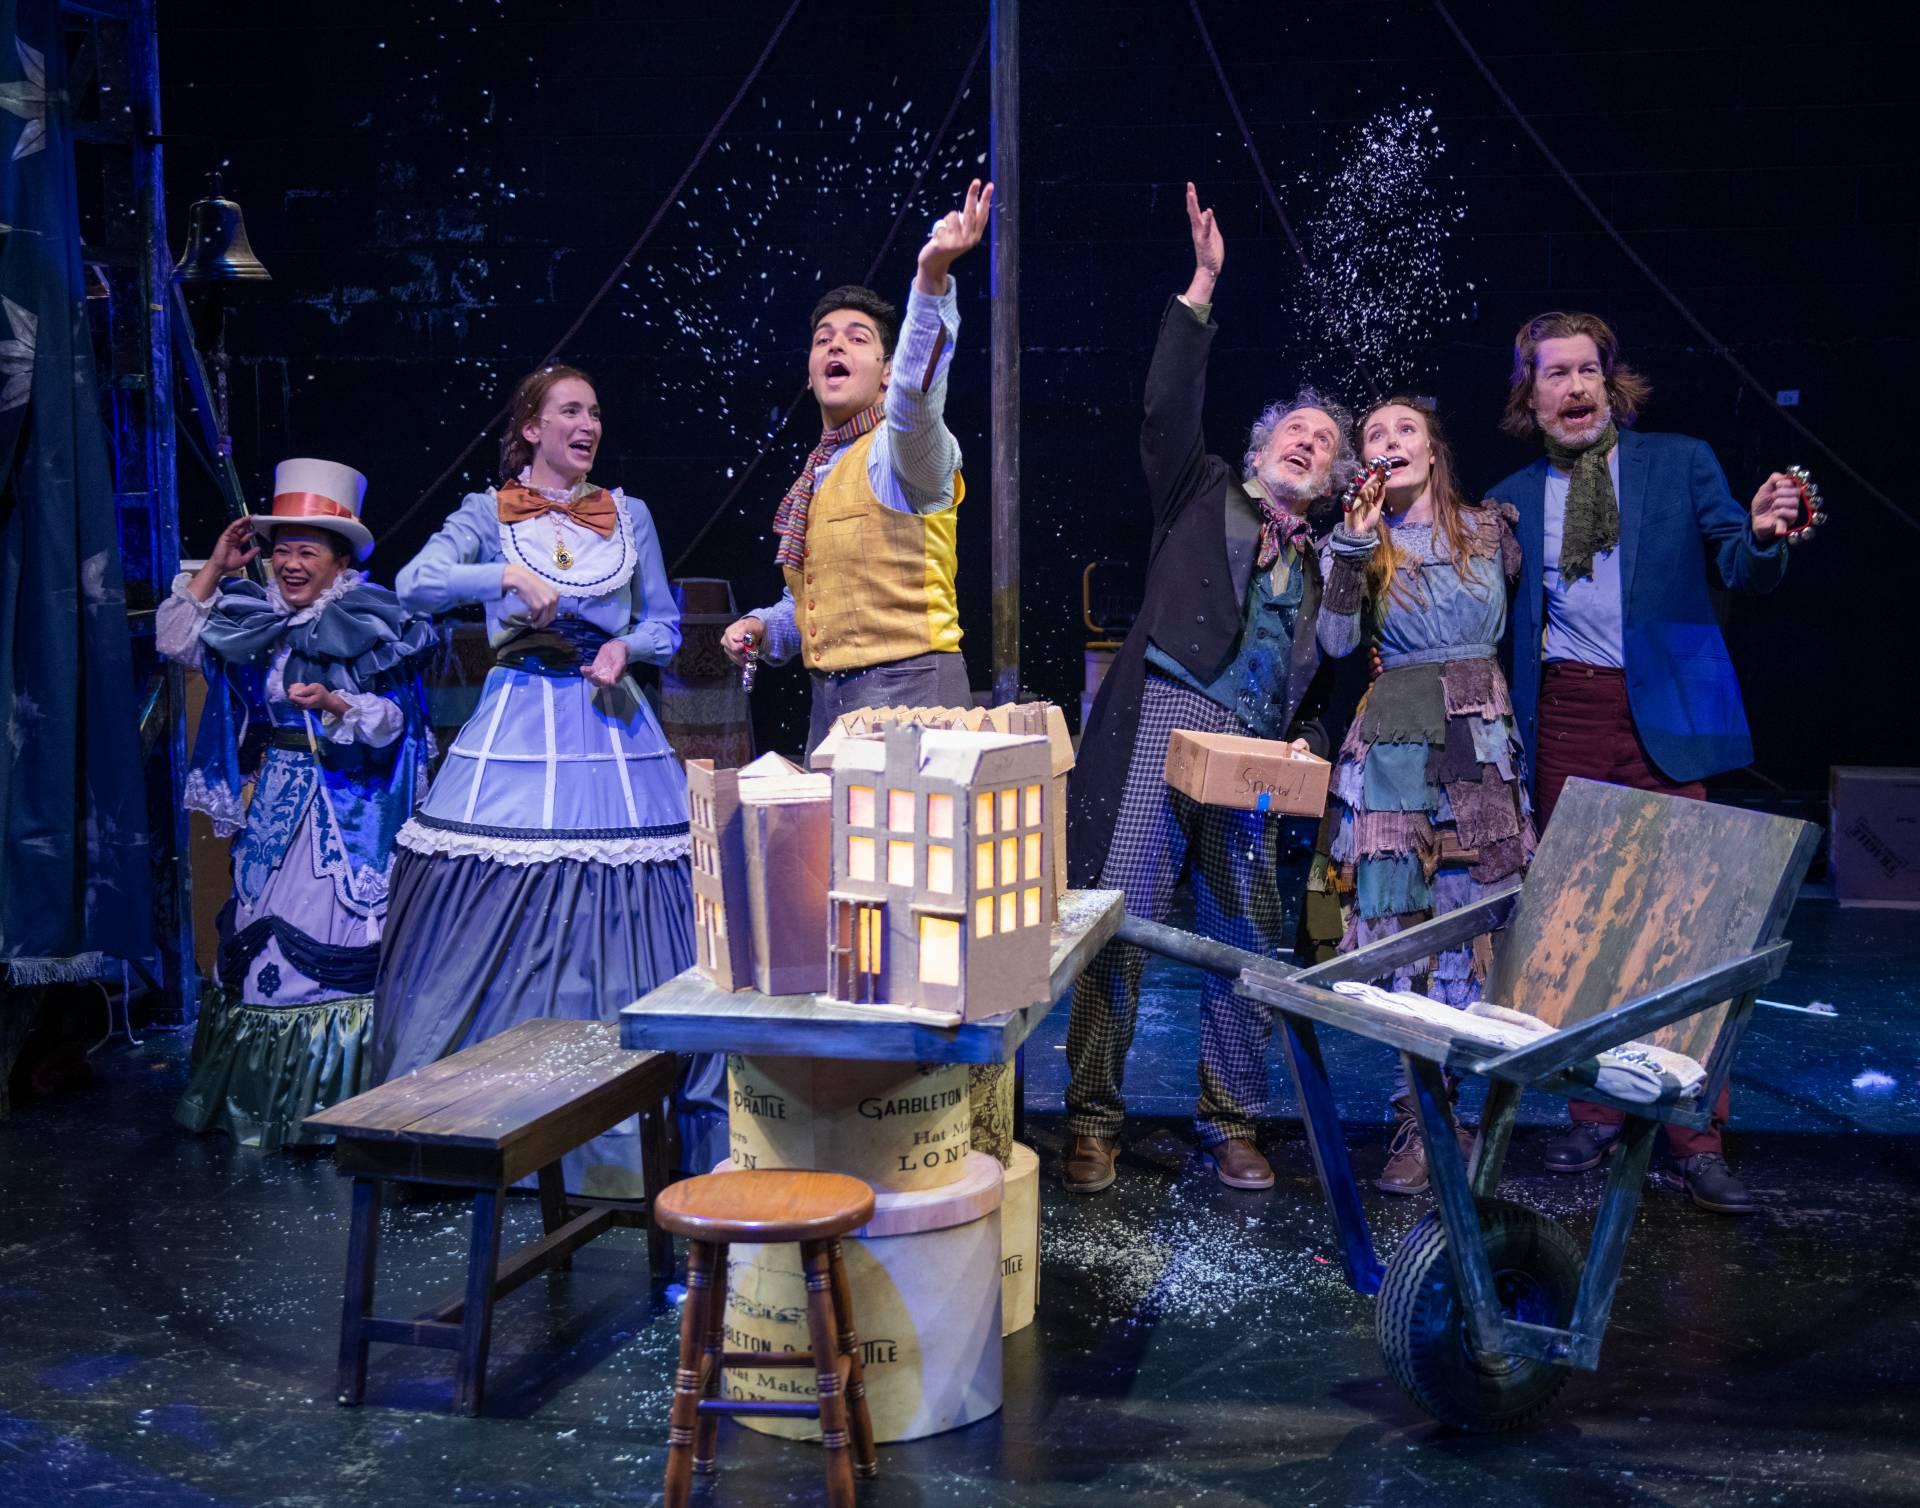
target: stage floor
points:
(169, 1311)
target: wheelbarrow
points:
(1645, 921)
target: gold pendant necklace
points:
(562, 556)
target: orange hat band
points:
(309, 505)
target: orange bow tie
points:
(595, 511)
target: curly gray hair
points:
(1345, 463)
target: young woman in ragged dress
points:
(548, 873)
(323, 668)
(1430, 807)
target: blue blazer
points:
(1676, 517)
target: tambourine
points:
(1812, 515)
(1379, 466)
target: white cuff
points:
(369, 719)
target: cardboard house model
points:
(760, 874)
(1038, 718)
(943, 863)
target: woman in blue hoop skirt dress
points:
(547, 874)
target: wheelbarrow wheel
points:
(1422, 1322)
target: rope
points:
(933, 148)
(1246, 138)
(1718, 346)
(613, 277)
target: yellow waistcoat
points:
(876, 584)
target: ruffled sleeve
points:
(1501, 521)
(369, 719)
(178, 621)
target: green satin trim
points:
(259, 1070)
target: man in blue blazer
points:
(1619, 669)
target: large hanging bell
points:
(217, 249)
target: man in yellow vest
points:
(867, 540)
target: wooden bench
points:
(483, 1119)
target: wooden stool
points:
(482, 1120)
(764, 1206)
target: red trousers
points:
(1586, 729)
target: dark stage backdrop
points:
(439, 190)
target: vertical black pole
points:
(1005, 129)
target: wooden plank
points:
(551, 1251)
(1379, 959)
(399, 1332)
(508, 1091)
(1453, 1193)
(1631, 891)
(356, 1308)
(1608, 1251)
(513, 1101)
(1292, 993)
(1636, 1020)
(418, 1162)
(389, 1107)
(1497, 1119)
(1086, 923)
(1201, 952)
(689, 1014)
(1326, 1142)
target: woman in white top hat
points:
(313, 694)
(548, 874)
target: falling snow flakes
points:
(1378, 281)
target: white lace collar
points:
(571, 494)
(345, 582)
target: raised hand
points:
(1210, 250)
(1776, 507)
(608, 665)
(954, 235)
(235, 548)
(1364, 516)
(231, 553)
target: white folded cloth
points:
(1637, 1071)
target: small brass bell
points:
(217, 249)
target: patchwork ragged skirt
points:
(1430, 813)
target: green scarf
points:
(1593, 513)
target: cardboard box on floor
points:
(1875, 835)
(1251, 774)
(1041, 719)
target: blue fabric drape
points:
(74, 880)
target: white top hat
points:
(318, 495)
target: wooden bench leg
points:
(706, 1430)
(685, 1411)
(653, 1169)
(866, 1462)
(818, 1263)
(553, 1210)
(363, 1244)
(483, 1263)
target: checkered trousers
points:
(1248, 871)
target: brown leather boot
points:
(1240, 1165)
(1089, 1164)
(1406, 1169)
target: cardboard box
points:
(1039, 719)
(1875, 835)
(788, 822)
(1251, 774)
